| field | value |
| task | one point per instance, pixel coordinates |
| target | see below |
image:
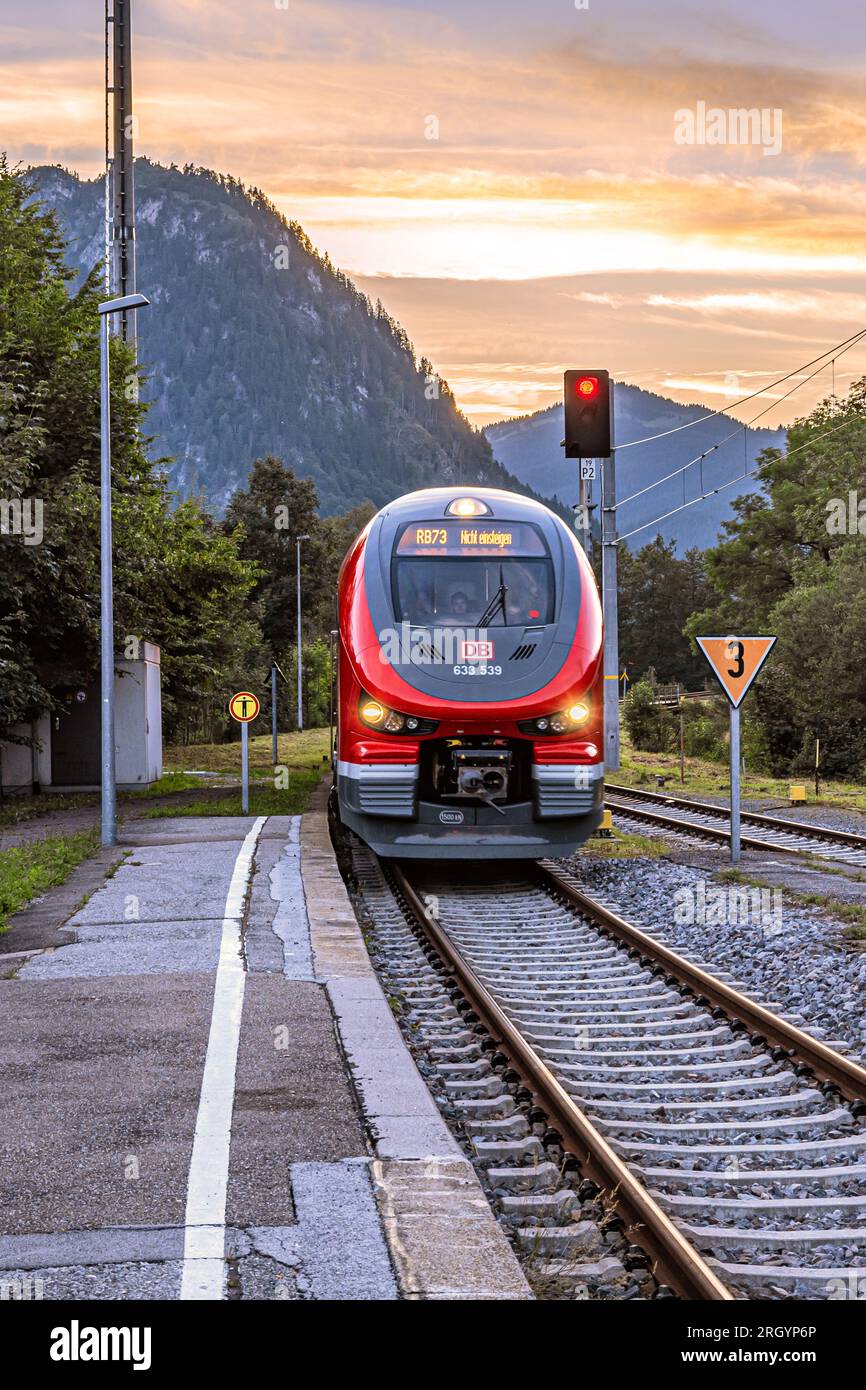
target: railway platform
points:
(207, 1096)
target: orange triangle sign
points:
(736, 661)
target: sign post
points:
(735, 783)
(244, 708)
(736, 661)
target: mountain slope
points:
(255, 344)
(530, 448)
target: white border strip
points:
(205, 1229)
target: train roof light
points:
(468, 506)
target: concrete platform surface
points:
(207, 1096)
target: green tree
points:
(179, 580)
(649, 726)
(273, 510)
(787, 566)
(656, 595)
(268, 516)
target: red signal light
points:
(587, 400)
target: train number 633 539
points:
(482, 670)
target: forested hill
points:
(256, 344)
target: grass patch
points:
(713, 779)
(15, 810)
(303, 755)
(734, 876)
(294, 750)
(264, 800)
(621, 845)
(28, 870)
(169, 782)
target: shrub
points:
(705, 729)
(651, 727)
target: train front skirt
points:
(380, 803)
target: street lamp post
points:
(300, 659)
(106, 586)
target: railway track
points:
(700, 820)
(729, 1144)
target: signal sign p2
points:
(736, 661)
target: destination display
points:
(481, 538)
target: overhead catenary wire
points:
(744, 400)
(744, 427)
(751, 473)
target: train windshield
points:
(471, 575)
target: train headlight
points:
(391, 721)
(563, 721)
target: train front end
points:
(469, 681)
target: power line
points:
(648, 439)
(744, 427)
(751, 473)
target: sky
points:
(527, 185)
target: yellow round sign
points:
(244, 707)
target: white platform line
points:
(205, 1220)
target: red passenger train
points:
(469, 681)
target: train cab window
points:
(460, 575)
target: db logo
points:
(476, 651)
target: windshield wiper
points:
(498, 601)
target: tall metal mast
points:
(118, 15)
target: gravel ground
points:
(788, 960)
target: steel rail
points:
(827, 1065)
(707, 832)
(759, 818)
(676, 1261)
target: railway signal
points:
(588, 405)
(736, 661)
(587, 399)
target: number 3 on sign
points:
(734, 652)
